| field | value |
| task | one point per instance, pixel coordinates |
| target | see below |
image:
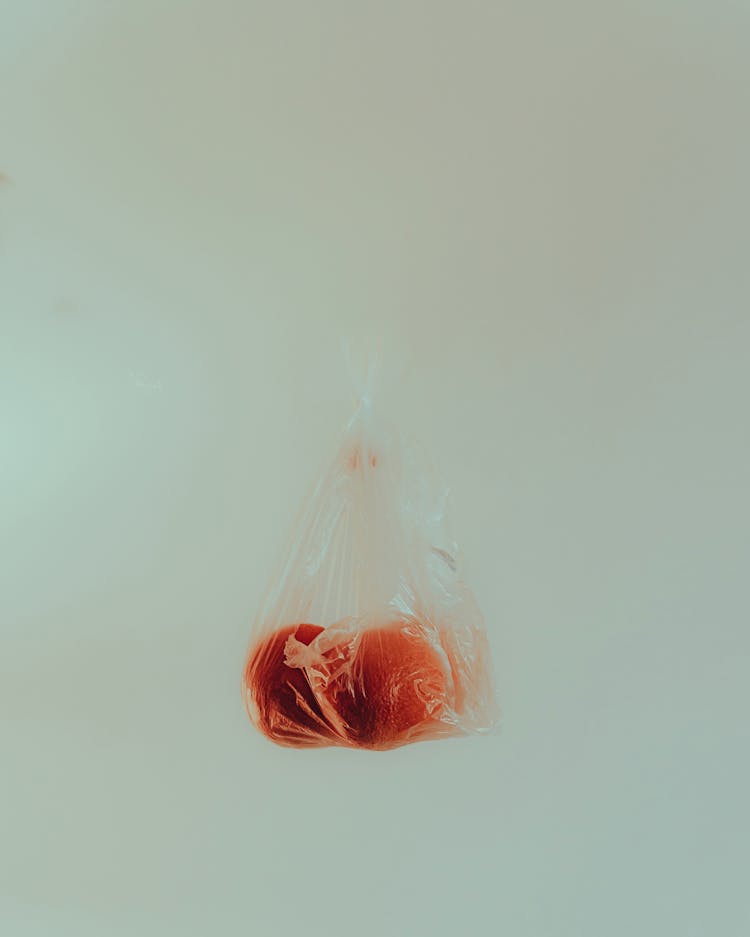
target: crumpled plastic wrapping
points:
(368, 637)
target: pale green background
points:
(545, 204)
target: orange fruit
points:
(395, 690)
(279, 698)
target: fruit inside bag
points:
(368, 637)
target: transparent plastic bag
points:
(368, 637)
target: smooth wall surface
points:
(544, 209)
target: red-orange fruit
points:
(384, 688)
(396, 689)
(279, 698)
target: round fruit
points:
(395, 689)
(279, 698)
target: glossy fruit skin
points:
(386, 687)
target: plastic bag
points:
(368, 638)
